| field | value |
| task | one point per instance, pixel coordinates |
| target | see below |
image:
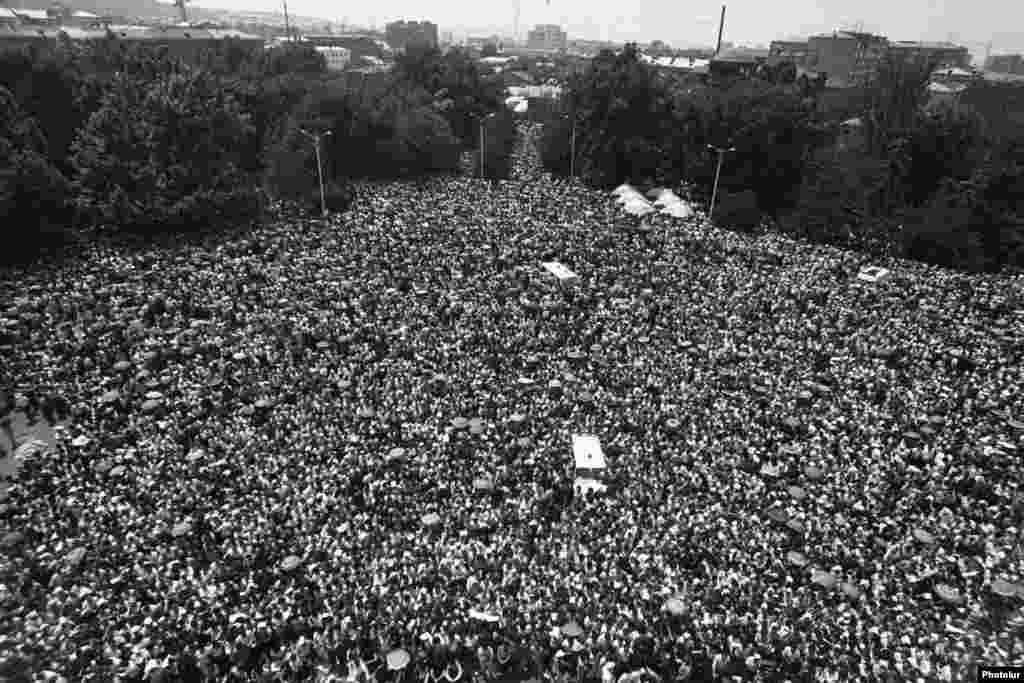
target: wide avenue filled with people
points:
(342, 450)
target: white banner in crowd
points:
(484, 616)
(586, 451)
(873, 274)
(583, 486)
(559, 271)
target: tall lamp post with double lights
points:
(572, 144)
(718, 172)
(482, 120)
(315, 137)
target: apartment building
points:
(942, 54)
(848, 58)
(549, 37)
(402, 34)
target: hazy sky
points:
(746, 22)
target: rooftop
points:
(37, 14)
(741, 55)
(850, 35)
(944, 89)
(996, 77)
(927, 45)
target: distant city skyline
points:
(747, 22)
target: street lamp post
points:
(572, 146)
(718, 172)
(482, 120)
(315, 137)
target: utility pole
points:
(287, 29)
(721, 26)
(718, 172)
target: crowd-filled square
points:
(342, 450)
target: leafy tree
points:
(839, 200)
(167, 155)
(785, 73)
(45, 88)
(461, 93)
(33, 193)
(623, 113)
(555, 144)
(894, 99)
(394, 133)
(938, 146)
(941, 233)
(738, 211)
(489, 50)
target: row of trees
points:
(928, 184)
(101, 134)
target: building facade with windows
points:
(942, 54)
(401, 35)
(549, 37)
(1005, 64)
(337, 58)
(795, 51)
(848, 58)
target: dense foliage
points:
(915, 180)
(140, 138)
(33, 192)
(143, 139)
(461, 93)
(165, 155)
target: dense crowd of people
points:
(319, 450)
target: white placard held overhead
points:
(583, 486)
(559, 271)
(873, 274)
(586, 451)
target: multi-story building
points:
(180, 41)
(942, 54)
(795, 51)
(35, 17)
(1005, 64)
(848, 58)
(337, 58)
(359, 45)
(8, 19)
(479, 42)
(736, 62)
(403, 34)
(549, 37)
